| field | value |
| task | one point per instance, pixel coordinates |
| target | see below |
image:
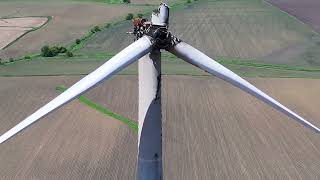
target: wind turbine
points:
(151, 38)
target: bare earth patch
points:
(215, 131)
(73, 143)
(11, 29)
(9, 34)
(23, 22)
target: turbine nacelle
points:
(157, 29)
(161, 17)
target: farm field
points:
(70, 20)
(212, 134)
(76, 142)
(306, 11)
(13, 28)
(243, 29)
(215, 131)
(304, 53)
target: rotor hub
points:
(157, 29)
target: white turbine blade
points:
(127, 56)
(197, 58)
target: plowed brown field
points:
(11, 29)
(306, 10)
(9, 34)
(23, 22)
(211, 131)
(215, 131)
(75, 142)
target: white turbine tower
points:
(151, 38)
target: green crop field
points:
(242, 28)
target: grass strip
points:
(133, 125)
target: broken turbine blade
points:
(197, 58)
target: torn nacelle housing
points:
(157, 29)
(161, 18)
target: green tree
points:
(107, 25)
(55, 50)
(78, 41)
(127, 1)
(139, 15)
(69, 54)
(129, 16)
(62, 49)
(97, 29)
(45, 51)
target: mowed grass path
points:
(132, 124)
